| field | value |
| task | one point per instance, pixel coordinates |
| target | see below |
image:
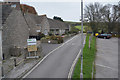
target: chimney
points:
(15, 3)
(11, 0)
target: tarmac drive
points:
(58, 64)
(107, 58)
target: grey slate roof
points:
(31, 22)
(55, 24)
(6, 10)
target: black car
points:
(105, 36)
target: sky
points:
(68, 10)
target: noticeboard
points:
(32, 45)
(32, 48)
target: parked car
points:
(105, 36)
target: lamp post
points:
(81, 73)
(1, 52)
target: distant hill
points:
(72, 22)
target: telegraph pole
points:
(81, 73)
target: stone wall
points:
(15, 32)
(45, 25)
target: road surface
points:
(58, 64)
(107, 58)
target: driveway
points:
(107, 58)
(59, 62)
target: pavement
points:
(107, 58)
(59, 62)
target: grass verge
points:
(88, 59)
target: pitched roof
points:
(36, 18)
(6, 10)
(55, 24)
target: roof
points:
(6, 10)
(36, 18)
(55, 24)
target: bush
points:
(74, 30)
(41, 35)
(69, 32)
(53, 37)
(50, 34)
(59, 39)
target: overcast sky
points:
(68, 10)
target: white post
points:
(0, 52)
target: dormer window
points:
(13, 5)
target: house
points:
(45, 25)
(37, 24)
(58, 27)
(15, 29)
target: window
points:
(51, 29)
(13, 6)
(57, 29)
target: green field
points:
(79, 27)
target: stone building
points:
(58, 27)
(45, 25)
(19, 23)
(15, 29)
(15, 32)
(37, 24)
(45, 28)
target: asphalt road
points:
(46, 47)
(58, 64)
(107, 58)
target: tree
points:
(92, 12)
(57, 18)
(104, 18)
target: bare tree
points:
(111, 16)
(92, 12)
(103, 17)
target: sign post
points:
(32, 47)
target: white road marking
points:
(106, 67)
(47, 56)
(74, 63)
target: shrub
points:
(69, 32)
(59, 39)
(50, 34)
(53, 37)
(41, 35)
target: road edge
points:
(74, 63)
(27, 73)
